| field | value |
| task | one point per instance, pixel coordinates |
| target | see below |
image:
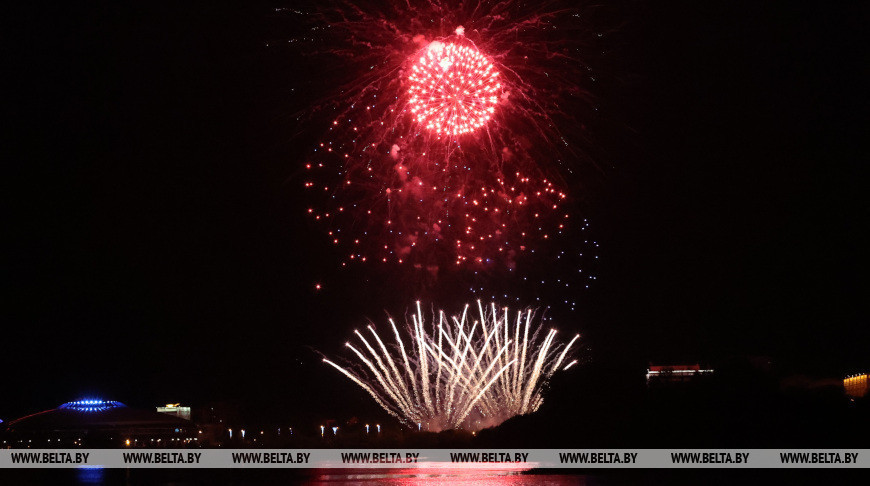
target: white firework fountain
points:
(468, 372)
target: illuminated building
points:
(674, 374)
(98, 423)
(176, 410)
(856, 385)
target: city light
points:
(91, 405)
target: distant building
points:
(856, 385)
(98, 423)
(657, 374)
(176, 410)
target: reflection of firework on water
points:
(447, 142)
(470, 371)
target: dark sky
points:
(154, 248)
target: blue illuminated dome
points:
(91, 405)
(97, 423)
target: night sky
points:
(155, 248)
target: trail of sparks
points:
(469, 371)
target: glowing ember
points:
(454, 89)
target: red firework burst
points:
(453, 89)
(445, 148)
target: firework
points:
(446, 146)
(452, 89)
(470, 371)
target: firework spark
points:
(451, 133)
(453, 89)
(469, 371)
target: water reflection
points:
(407, 477)
(282, 477)
(90, 475)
